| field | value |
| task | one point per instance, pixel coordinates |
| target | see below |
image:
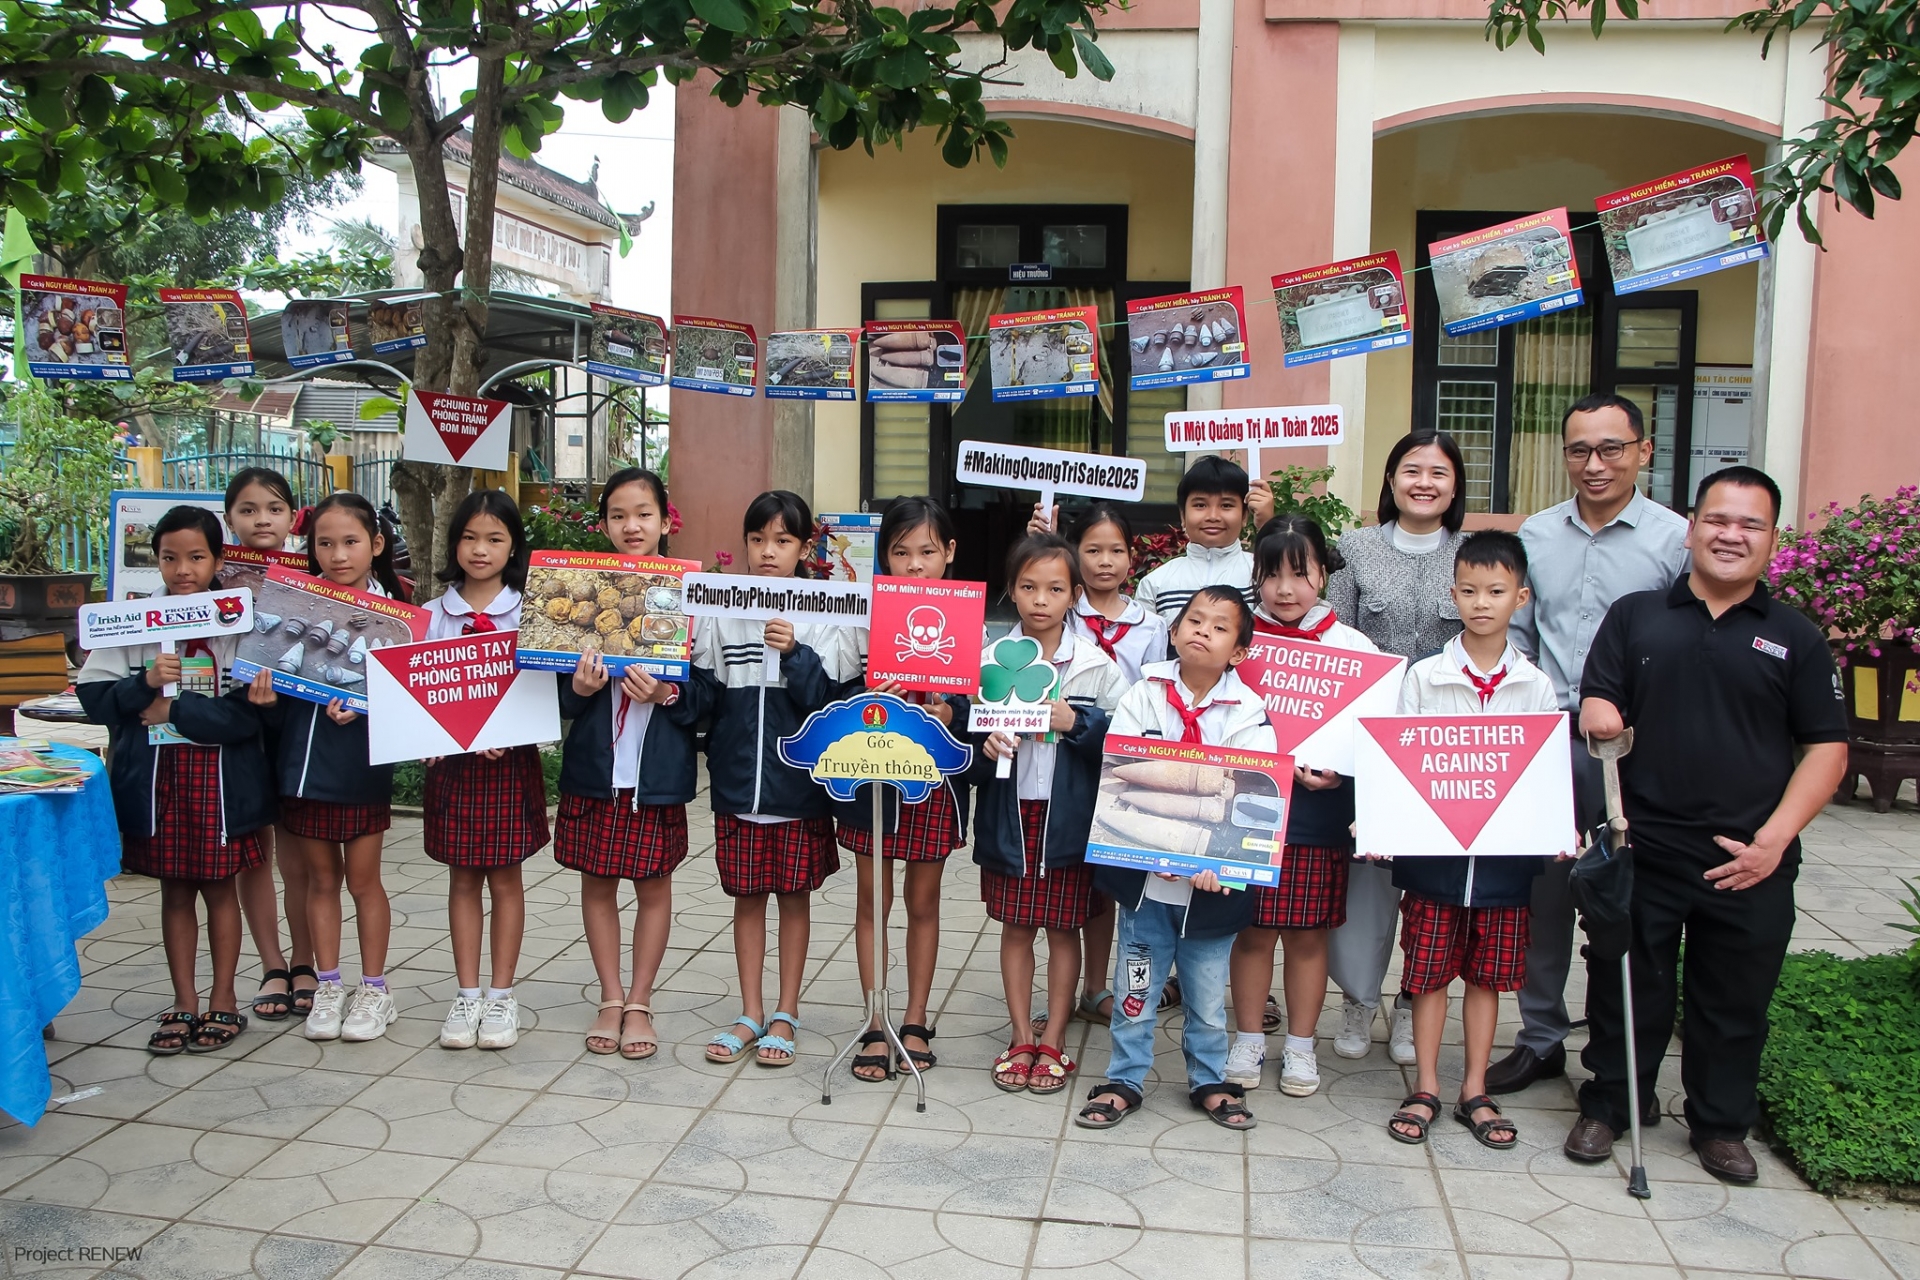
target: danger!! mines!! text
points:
(775, 599)
(980, 463)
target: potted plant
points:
(57, 476)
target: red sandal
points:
(1049, 1077)
(1010, 1075)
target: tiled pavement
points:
(285, 1158)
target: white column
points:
(1212, 121)
(1352, 238)
(793, 460)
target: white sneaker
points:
(1400, 1041)
(1299, 1073)
(499, 1023)
(1356, 1030)
(368, 1014)
(323, 1023)
(462, 1026)
(1244, 1062)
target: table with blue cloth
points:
(57, 851)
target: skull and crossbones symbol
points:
(925, 636)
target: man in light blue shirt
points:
(1607, 541)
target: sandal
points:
(1484, 1130)
(303, 999)
(1010, 1075)
(1270, 1017)
(595, 1038)
(224, 1028)
(1417, 1121)
(871, 1061)
(164, 1043)
(1230, 1112)
(274, 1006)
(1037, 1025)
(1170, 994)
(732, 1048)
(923, 1059)
(1104, 1115)
(779, 1044)
(1089, 1006)
(627, 1042)
(1049, 1076)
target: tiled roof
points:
(530, 176)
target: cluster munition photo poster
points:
(1187, 337)
(627, 346)
(720, 356)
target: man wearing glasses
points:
(1607, 541)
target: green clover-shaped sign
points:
(1013, 671)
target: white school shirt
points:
(1145, 639)
(1438, 685)
(1168, 588)
(450, 615)
(1086, 676)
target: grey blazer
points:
(1401, 602)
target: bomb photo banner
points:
(916, 361)
(316, 332)
(1044, 355)
(1681, 226)
(721, 356)
(74, 329)
(1181, 809)
(627, 346)
(1345, 308)
(207, 330)
(1505, 274)
(811, 364)
(1187, 337)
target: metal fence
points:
(210, 472)
(373, 477)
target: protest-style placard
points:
(315, 332)
(1683, 225)
(398, 323)
(162, 620)
(1051, 471)
(315, 635)
(1292, 426)
(464, 431)
(207, 330)
(1490, 786)
(448, 697)
(721, 356)
(1315, 693)
(627, 346)
(1505, 274)
(627, 609)
(1017, 689)
(1040, 355)
(1346, 308)
(1181, 809)
(133, 562)
(739, 595)
(844, 553)
(927, 634)
(74, 329)
(1187, 337)
(916, 361)
(811, 364)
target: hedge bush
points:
(410, 779)
(1840, 1079)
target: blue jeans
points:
(1150, 946)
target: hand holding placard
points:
(1293, 426)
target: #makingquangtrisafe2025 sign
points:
(1181, 809)
(1505, 274)
(1038, 355)
(1187, 337)
(1489, 786)
(75, 329)
(1051, 471)
(207, 330)
(1342, 309)
(1682, 225)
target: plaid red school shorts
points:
(1062, 898)
(186, 841)
(1485, 945)
(483, 813)
(928, 831)
(795, 856)
(607, 836)
(1312, 893)
(332, 822)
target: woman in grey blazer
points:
(1397, 589)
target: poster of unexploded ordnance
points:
(207, 329)
(921, 361)
(315, 332)
(811, 364)
(1505, 274)
(627, 346)
(1033, 355)
(314, 636)
(1182, 809)
(721, 356)
(1342, 309)
(627, 609)
(74, 328)
(1681, 226)
(1187, 337)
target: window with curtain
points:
(1552, 368)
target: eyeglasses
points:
(1609, 450)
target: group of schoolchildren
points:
(214, 782)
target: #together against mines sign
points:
(445, 697)
(1482, 785)
(455, 430)
(1315, 693)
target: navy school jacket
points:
(667, 772)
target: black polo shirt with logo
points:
(1717, 706)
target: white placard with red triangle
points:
(1316, 693)
(446, 697)
(1490, 786)
(464, 431)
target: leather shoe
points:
(1523, 1066)
(1589, 1141)
(1727, 1159)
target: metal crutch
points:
(1609, 751)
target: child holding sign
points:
(1214, 503)
(486, 811)
(1467, 917)
(618, 821)
(1031, 827)
(1291, 565)
(773, 826)
(191, 787)
(1186, 920)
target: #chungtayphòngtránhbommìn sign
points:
(465, 431)
(448, 697)
(1505, 274)
(1339, 309)
(1681, 226)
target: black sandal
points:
(1484, 1130)
(871, 1061)
(1271, 1017)
(1419, 1122)
(274, 1006)
(922, 1058)
(225, 1028)
(164, 1043)
(1230, 1112)
(303, 1000)
(1104, 1115)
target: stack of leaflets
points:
(25, 768)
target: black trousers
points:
(1735, 942)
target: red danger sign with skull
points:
(927, 634)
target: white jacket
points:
(1438, 686)
(1231, 715)
(1167, 589)
(1145, 641)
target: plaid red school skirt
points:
(483, 813)
(1060, 899)
(609, 837)
(928, 831)
(773, 857)
(333, 822)
(186, 843)
(1485, 945)
(1312, 893)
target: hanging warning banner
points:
(1683, 225)
(1505, 274)
(75, 329)
(1039, 355)
(916, 361)
(398, 324)
(1187, 337)
(627, 346)
(207, 330)
(811, 364)
(721, 356)
(1496, 785)
(315, 332)
(1339, 309)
